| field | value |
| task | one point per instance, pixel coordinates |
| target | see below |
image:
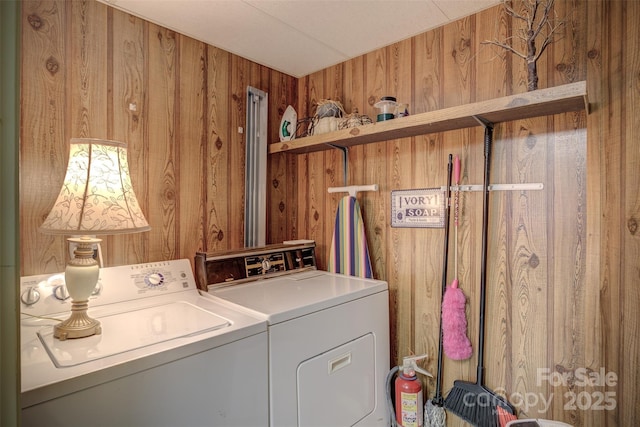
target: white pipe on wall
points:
(255, 200)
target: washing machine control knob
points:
(154, 279)
(30, 296)
(60, 292)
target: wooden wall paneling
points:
(302, 170)
(426, 251)
(567, 278)
(514, 295)
(126, 121)
(458, 87)
(609, 114)
(375, 171)
(459, 75)
(520, 291)
(630, 350)
(161, 131)
(564, 188)
(401, 258)
(334, 160)
(316, 195)
(595, 179)
(261, 79)
(278, 186)
(529, 286)
(43, 159)
(493, 65)
(566, 56)
(375, 207)
(191, 143)
(217, 151)
(316, 186)
(88, 78)
(292, 192)
(292, 200)
(277, 191)
(286, 172)
(303, 217)
(354, 100)
(292, 177)
(428, 73)
(240, 79)
(568, 290)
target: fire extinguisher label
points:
(411, 409)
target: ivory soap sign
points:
(421, 208)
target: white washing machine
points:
(328, 333)
(167, 356)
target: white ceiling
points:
(299, 37)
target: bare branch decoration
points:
(537, 23)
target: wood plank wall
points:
(563, 272)
(89, 70)
(563, 262)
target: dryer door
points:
(337, 388)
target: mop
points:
(434, 413)
(454, 322)
(473, 402)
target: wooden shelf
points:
(541, 102)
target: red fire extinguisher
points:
(409, 398)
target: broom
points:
(454, 322)
(473, 402)
(434, 413)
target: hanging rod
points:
(353, 189)
(497, 187)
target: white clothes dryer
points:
(328, 334)
(167, 355)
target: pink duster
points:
(454, 324)
(454, 321)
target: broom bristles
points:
(475, 404)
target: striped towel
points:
(349, 251)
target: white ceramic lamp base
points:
(81, 277)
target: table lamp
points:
(96, 198)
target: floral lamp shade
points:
(97, 196)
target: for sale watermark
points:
(586, 390)
(594, 397)
(580, 377)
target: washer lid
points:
(131, 330)
(283, 298)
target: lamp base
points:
(78, 325)
(81, 276)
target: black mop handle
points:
(488, 137)
(437, 400)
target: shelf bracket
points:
(345, 160)
(483, 122)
